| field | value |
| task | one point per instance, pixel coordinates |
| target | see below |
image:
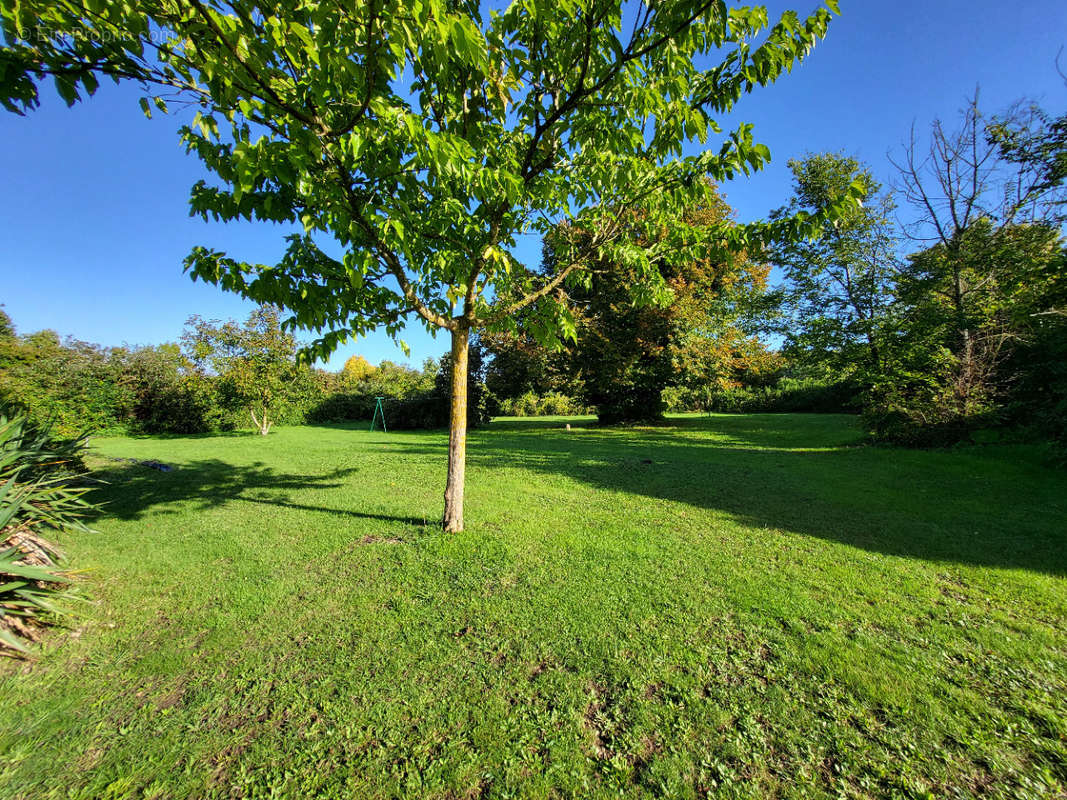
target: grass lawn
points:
(734, 606)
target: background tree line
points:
(933, 328)
(952, 320)
(219, 376)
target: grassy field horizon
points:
(722, 606)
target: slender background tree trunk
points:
(457, 438)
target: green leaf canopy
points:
(423, 138)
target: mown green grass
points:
(730, 606)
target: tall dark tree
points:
(627, 351)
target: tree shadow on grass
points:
(996, 507)
(802, 473)
(127, 491)
(235, 434)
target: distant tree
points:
(721, 310)
(837, 296)
(426, 139)
(707, 366)
(984, 220)
(390, 379)
(626, 352)
(357, 368)
(1002, 286)
(255, 362)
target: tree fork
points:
(457, 436)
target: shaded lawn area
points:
(734, 606)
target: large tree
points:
(1012, 278)
(627, 352)
(987, 210)
(838, 286)
(422, 138)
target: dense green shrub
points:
(206, 385)
(423, 410)
(342, 407)
(689, 398)
(71, 384)
(790, 395)
(898, 427)
(164, 397)
(529, 404)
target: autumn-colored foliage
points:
(697, 331)
(357, 368)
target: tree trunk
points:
(457, 437)
(263, 427)
(967, 372)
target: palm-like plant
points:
(38, 491)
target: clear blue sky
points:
(94, 205)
